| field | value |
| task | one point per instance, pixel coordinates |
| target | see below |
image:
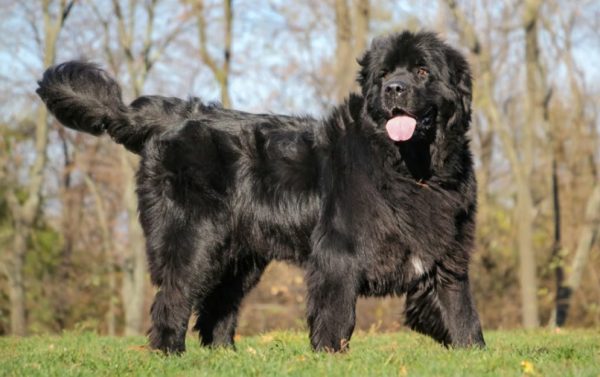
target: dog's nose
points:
(395, 87)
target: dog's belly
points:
(283, 244)
(276, 228)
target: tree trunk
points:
(16, 285)
(221, 73)
(362, 18)
(107, 247)
(134, 264)
(588, 234)
(586, 238)
(527, 265)
(557, 255)
(61, 294)
(224, 81)
(351, 41)
(361, 34)
(535, 117)
(343, 42)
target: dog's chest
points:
(390, 266)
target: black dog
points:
(376, 199)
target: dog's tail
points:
(85, 98)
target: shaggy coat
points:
(222, 193)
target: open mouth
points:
(401, 126)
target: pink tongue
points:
(401, 128)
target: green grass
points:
(515, 353)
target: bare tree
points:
(362, 16)
(220, 71)
(343, 53)
(568, 281)
(537, 99)
(24, 211)
(139, 59)
(521, 163)
(349, 43)
(134, 262)
(588, 234)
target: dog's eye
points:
(383, 73)
(422, 72)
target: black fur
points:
(222, 193)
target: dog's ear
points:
(460, 77)
(363, 73)
(369, 58)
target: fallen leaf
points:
(527, 367)
(403, 372)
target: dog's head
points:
(414, 84)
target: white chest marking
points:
(418, 265)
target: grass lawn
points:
(509, 353)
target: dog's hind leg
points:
(170, 313)
(441, 306)
(174, 265)
(179, 265)
(218, 310)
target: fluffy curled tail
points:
(85, 98)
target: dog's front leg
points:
(442, 307)
(332, 292)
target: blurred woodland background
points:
(72, 252)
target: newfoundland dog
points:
(377, 198)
